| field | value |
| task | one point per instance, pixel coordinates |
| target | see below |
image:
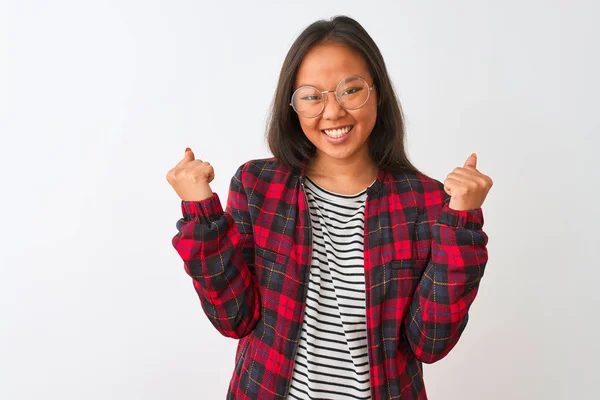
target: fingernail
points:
(187, 149)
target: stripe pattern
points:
(332, 359)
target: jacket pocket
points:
(277, 281)
(269, 258)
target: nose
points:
(333, 110)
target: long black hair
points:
(285, 138)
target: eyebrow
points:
(315, 86)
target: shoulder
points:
(263, 169)
(425, 190)
(418, 181)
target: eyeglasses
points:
(351, 93)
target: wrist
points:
(202, 193)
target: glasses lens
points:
(307, 101)
(353, 92)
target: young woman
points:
(337, 264)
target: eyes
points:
(310, 98)
(347, 92)
(352, 93)
(353, 90)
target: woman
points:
(337, 264)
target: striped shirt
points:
(332, 360)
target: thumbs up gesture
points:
(191, 177)
(467, 186)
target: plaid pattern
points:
(250, 264)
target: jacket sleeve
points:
(438, 312)
(217, 249)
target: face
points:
(323, 67)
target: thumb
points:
(189, 155)
(471, 161)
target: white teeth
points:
(337, 133)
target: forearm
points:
(439, 309)
(212, 247)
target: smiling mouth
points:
(337, 133)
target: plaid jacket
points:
(250, 265)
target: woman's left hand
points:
(467, 186)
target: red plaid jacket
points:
(250, 266)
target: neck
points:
(356, 168)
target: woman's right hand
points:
(190, 178)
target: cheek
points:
(309, 126)
(367, 116)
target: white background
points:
(99, 99)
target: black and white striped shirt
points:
(332, 360)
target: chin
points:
(337, 154)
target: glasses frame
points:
(323, 95)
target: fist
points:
(467, 186)
(190, 178)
